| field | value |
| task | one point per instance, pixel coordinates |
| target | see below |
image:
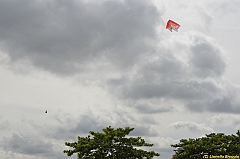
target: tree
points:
(215, 144)
(111, 144)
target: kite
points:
(46, 111)
(171, 25)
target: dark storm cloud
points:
(62, 37)
(24, 144)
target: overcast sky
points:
(94, 64)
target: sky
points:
(94, 64)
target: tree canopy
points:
(214, 144)
(111, 144)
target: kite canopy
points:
(46, 111)
(171, 25)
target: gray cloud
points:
(4, 125)
(69, 127)
(151, 75)
(188, 90)
(143, 130)
(82, 125)
(224, 101)
(25, 144)
(165, 152)
(152, 109)
(224, 105)
(64, 37)
(193, 79)
(206, 58)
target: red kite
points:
(171, 25)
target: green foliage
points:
(211, 144)
(111, 144)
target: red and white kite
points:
(171, 25)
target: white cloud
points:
(193, 127)
(226, 120)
